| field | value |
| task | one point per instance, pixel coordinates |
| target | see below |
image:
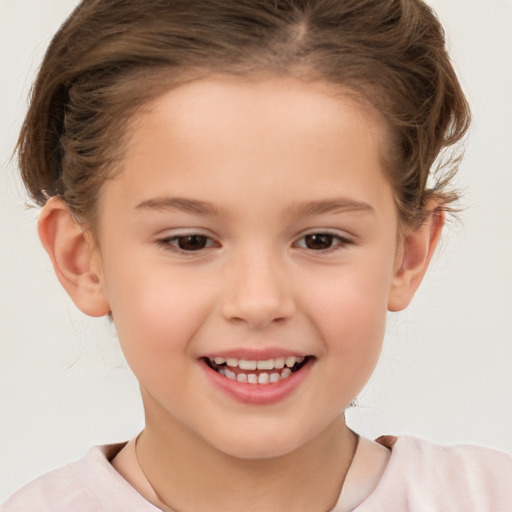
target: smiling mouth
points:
(269, 371)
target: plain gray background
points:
(445, 370)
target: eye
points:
(322, 241)
(187, 243)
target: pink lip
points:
(257, 394)
(262, 354)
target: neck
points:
(188, 474)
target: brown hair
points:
(113, 56)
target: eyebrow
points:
(303, 208)
(337, 205)
(181, 203)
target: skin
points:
(273, 160)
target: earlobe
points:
(417, 248)
(73, 256)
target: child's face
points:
(252, 220)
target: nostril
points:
(258, 295)
(258, 316)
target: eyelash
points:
(340, 241)
(172, 243)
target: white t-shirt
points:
(420, 477)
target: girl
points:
(246, 188)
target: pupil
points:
(319, 241)
(192, 242)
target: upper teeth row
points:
(269, 364)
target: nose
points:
(258, 292)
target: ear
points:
(74, 256)
(415, 252)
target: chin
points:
(260, 444)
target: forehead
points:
(292, 105)
(278, 134)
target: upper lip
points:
(256, 354)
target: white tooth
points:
(286, 373)
(300, 359)
(266, 365)
(252, 378)
(222, 371)
(275, 377)
(290, 361)
(219, 360)
(241, 377)
(230, 375)
(263, 378)
(279, 362)
(231, 361)
(247, 365)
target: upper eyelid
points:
(166, 243)
(183, 232)
(327, 231)
(169, 233)
(184, 235)
(341, 238)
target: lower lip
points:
(258, 394)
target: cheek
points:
(351, 325)
(349, 310)
(155, 313)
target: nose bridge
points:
(258, 291)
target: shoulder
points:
(90, 484)
(463, 466)
(65, 488)
(425, 476)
